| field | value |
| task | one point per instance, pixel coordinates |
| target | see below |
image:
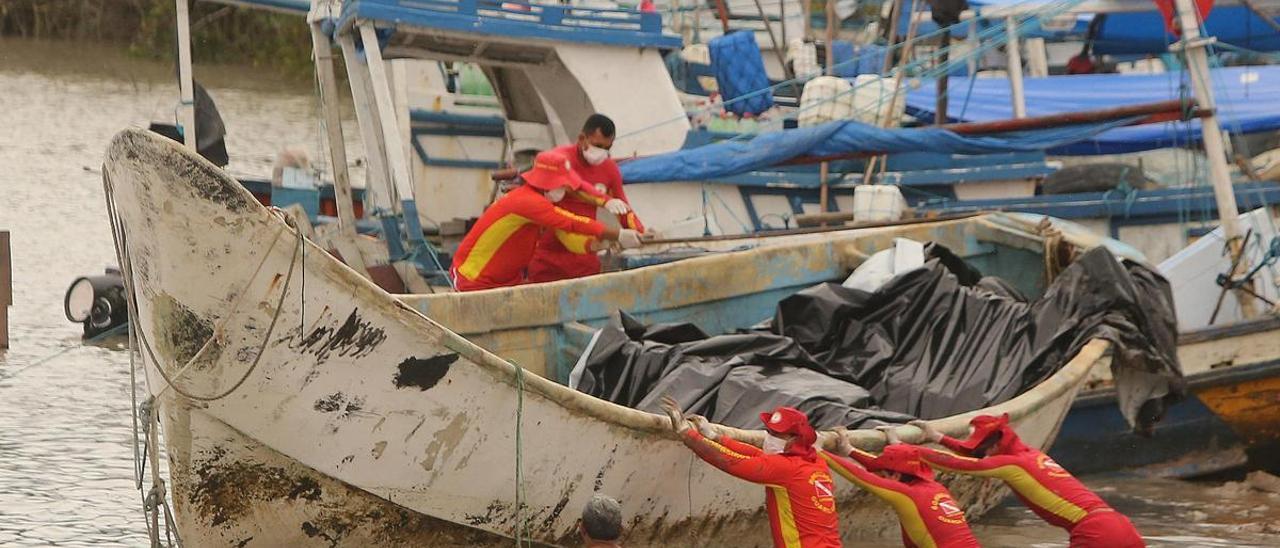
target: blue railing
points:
(518, 18)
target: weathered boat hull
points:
(1231, 413)
(302, 405)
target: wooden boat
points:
(303, 405)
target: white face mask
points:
(555, 194)
(595, 155)
(773, 445)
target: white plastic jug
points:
(872, 203)
(824, 99)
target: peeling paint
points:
(444, 441)
(378, 448)
(339, 403)
(355, 338)
(423, 373)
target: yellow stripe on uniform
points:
(786, 519)
(488, 244)
(574, 242)
(572, 215)
(1022, 482)
(908, 514)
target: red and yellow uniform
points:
(928, 514)
(553, 259)
(1041, 484)
(799, 494)
(498, 248)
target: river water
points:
(66, 472)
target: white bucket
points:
(871, 100)
(873, 203)
(825, 98)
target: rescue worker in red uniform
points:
(799, 494)
(994, 450)
(590, 159)
(927, 513)
(497, 249)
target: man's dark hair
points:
(602, 518)
(599, 122)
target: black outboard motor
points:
(98, 302)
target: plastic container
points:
(824, 99)
(871, 98)
(872, 203)
(804, 58)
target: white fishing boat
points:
(302, 405)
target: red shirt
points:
(1039, 482)
(927, 513)
(799, 493)
(552, 261)
(498, 248)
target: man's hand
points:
(931, 434)
(842, 441)
(629, 239)
(678, 423)
(890, 433)
(616, 206)
(704, 427)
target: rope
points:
(266, 338)
(96, 338)
(520, 525)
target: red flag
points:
(1170, 14)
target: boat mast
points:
(1014, 65)
(187, 109)
(1193, 46)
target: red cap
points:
(901, 458)
(789, 420)
(552, 170)
(984, 426)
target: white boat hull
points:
(362, 422)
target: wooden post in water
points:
(6, 288)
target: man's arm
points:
(953, 444)
(739, 446)
(755, 468)
(541, 211)
(860, 476)
(988, 466)
(628, 219)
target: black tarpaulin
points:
(932, 342)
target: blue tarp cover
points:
(1248, 101)
(1144, 32)
(728, 158)
(739, 70)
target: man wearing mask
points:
(799, 493)
(497, 249)
(590, 159)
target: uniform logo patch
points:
(824, 495)
(1052, 468)
(947, 510)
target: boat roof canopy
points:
(454, 26)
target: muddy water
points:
(66, 475)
